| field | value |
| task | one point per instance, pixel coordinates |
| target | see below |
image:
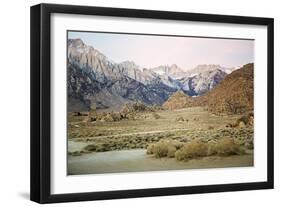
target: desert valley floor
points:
(121, 146)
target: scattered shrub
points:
(164, 148)
(251, 122)
(251, 114)
(91, 119)
(241, 124)
(171, 151)
(149, 149)
(192, 150)
(102, 147)
(229, 125)
(160, 149)
(77, 113)
(179, 155)
(177, 144)
(156, 116)
(91, 147)
(179, 118)
(211, 127)
(227, 146)
(75, 153)
(244, 119)
(249, 145)
(212, 149)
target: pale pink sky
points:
(187, 52)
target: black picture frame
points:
(40, 176)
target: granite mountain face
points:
(234, 95)
(93, 79)
(173, 71)
(200, 83)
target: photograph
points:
(133, 103)
(154, 102)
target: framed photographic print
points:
(133, 103)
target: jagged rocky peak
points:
(83, 54)
(173, 71)
(161, 70)
(200, 83)
(134, 71)
(175, 68)
(209, 67)
(206, 67)
(75, 42)
(129, 64)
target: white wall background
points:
(14, 104)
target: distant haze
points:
(151, 51)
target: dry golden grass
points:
(212, 149)
(160, 149)
(194, 149)
(149, 149)
(171, 151)
(164, 148)
(191, 150)
(227, 146)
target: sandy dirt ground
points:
(137, 160)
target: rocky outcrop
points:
(179, 100)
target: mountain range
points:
(93, 79)
(235, 94)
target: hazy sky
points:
(187, 52)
